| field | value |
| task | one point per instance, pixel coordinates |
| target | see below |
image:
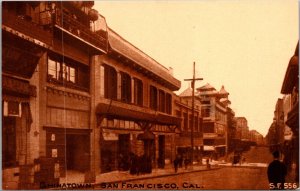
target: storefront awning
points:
(119, 112)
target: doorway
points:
(161, 151)
(77, 152)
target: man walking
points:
(276, 173)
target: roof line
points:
(137, 48)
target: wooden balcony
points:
(72, 27)
(22, 24)
(293, 117)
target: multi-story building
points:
(290, 87)
(47, 52)
(133, 102)
(242, 128)
(256, 137)
(76, 95)
(183, 109)
(231, 130)
(214, 112)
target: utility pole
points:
(193, 110)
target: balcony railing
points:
(23, 25)
(99, 39)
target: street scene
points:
(151, 95)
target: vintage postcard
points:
(150, 95)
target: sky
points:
(243, 45)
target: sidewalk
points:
(76, 177)
(125, 176)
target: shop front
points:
(129, 136)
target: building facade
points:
(183, 109)
(133, 100)
(231, 130)
(242, 128)
(47, 53)
(290, 88)
(256, 137)
(214, 112)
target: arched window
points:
(110, 82)
(138, 92)
(153, 97)
(125, 87)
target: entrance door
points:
(123, 152)
(124, 144)
(71, 148)
(161, 151)
(77, 152)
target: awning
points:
(291, 75)
(120, 112)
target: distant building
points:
(242, 128)
(231, 129)
(214, 113)
(183, 109)
(256, 137)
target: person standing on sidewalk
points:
(276, 173)
(176, 163)
(207, 163)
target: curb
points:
(156, 176)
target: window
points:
(110, 82)
(205, 112)
(67, 72)
(125, 87)
(61, 71)
(153, 97)
(191, 125)
(208, 141)
(168, 103)
(138, 92)
(8, 141)
(208, 128)
(185, 121)
(162, 101)
(196, 128)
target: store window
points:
(8, 142)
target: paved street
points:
(227, 177)
(224, 178)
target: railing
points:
(99, 39)
(67, 84)
(24, 25)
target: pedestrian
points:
(180, 161)
(207, 163)
(186, 162)
(276, 173)
(176, 163)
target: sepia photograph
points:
(150, 95)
